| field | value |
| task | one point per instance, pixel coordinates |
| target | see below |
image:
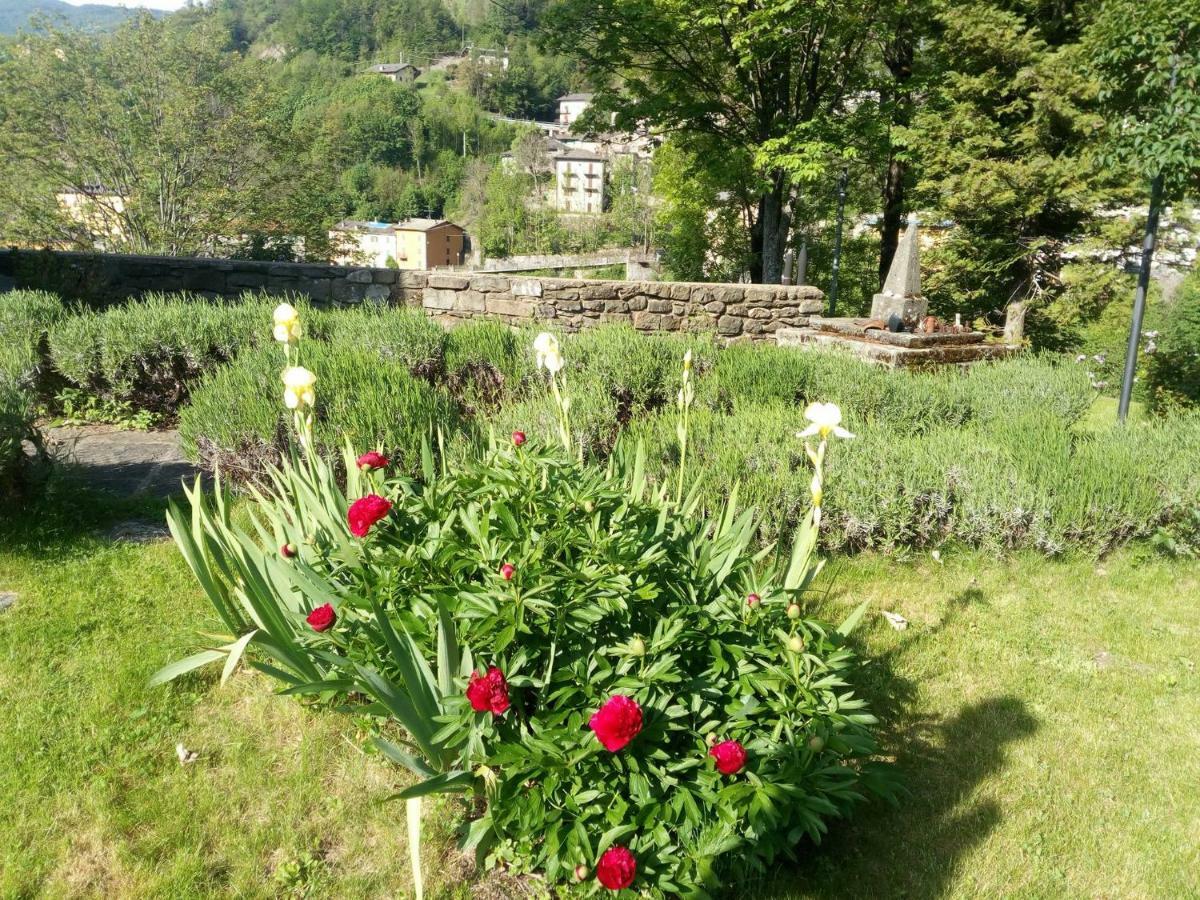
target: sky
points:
(151, 4)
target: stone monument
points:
(900, 305)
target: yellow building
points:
(97, 211)
(411, 244)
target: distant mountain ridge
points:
(15, 14)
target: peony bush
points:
(633, 695)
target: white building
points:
(579, 181)
(401, 73)
(571, 107)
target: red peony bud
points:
(488, 692)
(287, 551)
(617, 868)
(321, 618)
(507, 571)
(373, 460)
(730, 757)
(518, 438)
(753, 599)
(617, 722)
(365, 512)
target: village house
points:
(579, 181)
(411, 244)
(401, 73)
(571, 107)
(96, 210)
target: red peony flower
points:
(730, 757)
(617, 868)
(365, 512)
(488, 692)
(617, 722)
(518, 438)
(507, 571)
(752, 599)
(287, 551)
(322, 618)
(373, 460)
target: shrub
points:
(235, 419)
(631, 690)
(408, 337)
(487, 363)
(1174, 367)
(149, 353)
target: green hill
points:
(15, 14)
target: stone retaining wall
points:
(732, 310)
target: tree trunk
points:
(1014, 322)
(898, 57)
(774, 222)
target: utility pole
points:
(1139, 298)
(837, 243)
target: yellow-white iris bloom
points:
(287, 323)
(545, 345)
(826, 419)
(298, 387)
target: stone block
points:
(245, 280)
(412, 278)
(760, 294)
(647, 321)
(760, 312)
(680, 290)
(669, 323)
(716, 307)
(656, 305)
(319, 289)
(729, 325)
(490, 284)
(593, 305)
(569, 306)
(438, 298)
(637, 303)
(378, 294)
(615, 305)
(502, 305)
(360, 276)
(448, 282)
(469, 301)
(547, 311)
(526, 287)
(384, 276)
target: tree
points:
(1000, 143)
(1146, 56)
(170, 140)
(768, 78)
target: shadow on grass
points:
(914, 849)
(68, 516)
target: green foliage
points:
(406, 337)
(1174, 367)
(149, 353)
(614, 592)
(236, 419)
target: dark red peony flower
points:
(617, 868)
(322, 618)
(617, 722)
(373, 460)
(365, 512)
(518, 438)
(488, 692)
(753, 599)
(730, 757)
(287, 551)
(507, 571)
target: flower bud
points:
(581, 872)
(710, 738)
(518, 438)
(287, 551)
(637, 647)
(753, 599)
(588, 506)
(793, 611)
(816, 743)
(796, 643)
(507, 571)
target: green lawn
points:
(1043, 714)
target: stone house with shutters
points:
(579, 181)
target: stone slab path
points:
(126, 463)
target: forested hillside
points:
(16, 14)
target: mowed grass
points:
(1043, 715)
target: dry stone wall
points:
(733, 311)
